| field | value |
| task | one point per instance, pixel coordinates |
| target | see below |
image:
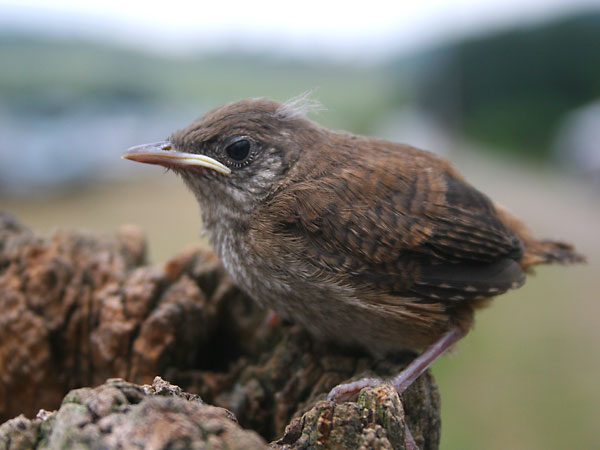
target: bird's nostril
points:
(166, 147)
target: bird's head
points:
(235, 155)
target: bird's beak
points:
(164, 154)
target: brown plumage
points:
(365, 242)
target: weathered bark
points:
(124, 415)
(76, 309)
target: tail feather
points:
(538, 251)
(550, 252)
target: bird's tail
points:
(538, 251)
(549, 252)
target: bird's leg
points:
(409, 440)
(404, 379)
(421, 363)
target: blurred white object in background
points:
(414, 127)
(577, 142)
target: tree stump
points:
(77, 309)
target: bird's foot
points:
(344, 392)
(404, 379)
(401, 382)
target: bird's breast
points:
(249, 274)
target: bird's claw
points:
(344, 392)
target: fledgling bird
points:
(364, 242)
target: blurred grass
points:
(525, 378)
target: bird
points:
(366, 243)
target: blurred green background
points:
(514, 103)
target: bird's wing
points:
(427, 234)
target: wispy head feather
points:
(298, 107)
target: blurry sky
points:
(335, 28)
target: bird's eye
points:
(239, 150)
